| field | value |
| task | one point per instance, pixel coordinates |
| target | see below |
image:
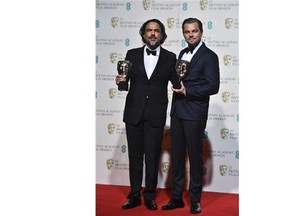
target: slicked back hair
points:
(163, 33)
(192, 20)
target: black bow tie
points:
(151, 52)
(189, 49)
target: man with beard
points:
(145, 110)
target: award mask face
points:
(123, 67)
(181, 68)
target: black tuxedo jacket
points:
(152, 92)
(201, 81)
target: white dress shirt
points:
(150, 61)
(188, 56)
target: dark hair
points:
(192, 20)
(142, 30)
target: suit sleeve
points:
(174, 78)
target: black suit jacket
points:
(148, 92)
(201, 81)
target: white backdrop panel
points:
(117, 30)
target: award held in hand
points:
(123, 67)
(181, 70)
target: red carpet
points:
(109, 199)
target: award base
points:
(123, 86)
(177, 85)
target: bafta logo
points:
(181, 70)
(111, 128)
(203, 4)
(146, 4)
(223, 169)
(165, 167)
(227, 60)
(171, 22)
(112, 93)
(228, 23)
(110, 164)
(123, 67)
(114, 22)
(225, 96)
(203, 38)
(113, 57)
(224, 132)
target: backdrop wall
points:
(117, 30)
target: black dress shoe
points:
(131, 203)
(151, 204)
(172, 204)
(195, 208)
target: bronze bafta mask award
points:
(123, 67)
(181, 70)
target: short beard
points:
(152, 44)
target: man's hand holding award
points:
(123, 68)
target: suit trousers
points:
(186, 137)
(144, 142)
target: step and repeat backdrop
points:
(117, 30)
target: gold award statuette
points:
(123, 67)
(181, 70)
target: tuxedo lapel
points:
(160, 61)
(140, 62)
(198, 54)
